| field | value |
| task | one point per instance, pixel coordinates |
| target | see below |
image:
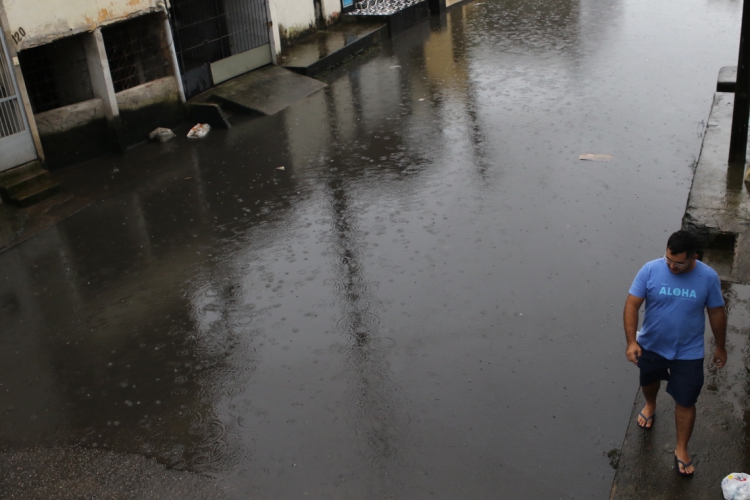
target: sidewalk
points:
(719, 210)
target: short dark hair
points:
(683, 241)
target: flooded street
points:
(424, 303)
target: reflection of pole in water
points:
(375, 412)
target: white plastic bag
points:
(199, 131)
(161, 134)
(736, 486)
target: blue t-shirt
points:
(674, 323)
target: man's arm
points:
(630, 321)
(717, 317)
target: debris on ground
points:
(279, 168)
(199, 131)
(736, 486)
(595, 157)
(161, 134)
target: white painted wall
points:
(331, 9)
(292, 16)
(34, 23)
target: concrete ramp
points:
(267, 90)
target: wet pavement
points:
(425, 303)
(327, 49)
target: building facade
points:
(83, 78)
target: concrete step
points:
(329, 48)
(9, 177)
(36, 193)
(727, 79)
(27, 184)
(267, 90)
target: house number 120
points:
(18, 35)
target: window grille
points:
(136, 51)
(11, 120)
(56, 74)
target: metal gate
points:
(216, 40)
(16, 143)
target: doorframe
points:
(23, 94)
(274, 39)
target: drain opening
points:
(719, 253)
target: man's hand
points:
(633, 352)
(720, 357)
(630, 320)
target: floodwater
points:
(425, 303)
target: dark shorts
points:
(684, 376)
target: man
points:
(669, 346)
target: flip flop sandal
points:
(677, 463)
(647, 420)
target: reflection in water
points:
(735, 178)
(447, 60)
(373, 395)
(136, 335)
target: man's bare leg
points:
(684, 419)
(649, 392)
